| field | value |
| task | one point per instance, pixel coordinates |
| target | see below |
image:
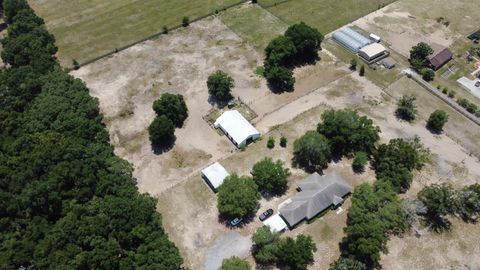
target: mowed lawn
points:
(325, 15)
(253, 24)
(85, 29)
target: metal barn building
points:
(351, 39)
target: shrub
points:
(271, 142)
(185, 21)
(283, 141)
(428, 74)
(437, 120)
(359, 162)
(445, 90)
(407, 109)
(362, 71)
(75, 64)
(451, 93)
(165, 30)
(353, 64)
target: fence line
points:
(155, 35)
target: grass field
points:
(85, 29)
(325, 15)
(253, 24)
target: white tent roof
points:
(236, 126)
(373, 49)
(276, 223)
(215, 174)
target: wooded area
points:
(67, 200)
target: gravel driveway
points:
(226, 246)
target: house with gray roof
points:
(316, 194)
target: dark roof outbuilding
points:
(441, 55)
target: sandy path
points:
(226, 246)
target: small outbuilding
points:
(214, 175)
(373, 53)
(441, 55)
(276, 223)
(389, 62)
(375, 37)
(237, 128)
(317, 193)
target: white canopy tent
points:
(214, 175)
(276, 223)
(237, 128)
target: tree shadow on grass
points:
(434, 131)
(438, 224)
(163, 147)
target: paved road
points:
(416, 77)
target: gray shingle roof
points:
(317, 194)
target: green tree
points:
(265, 245)
(395, 161)
(437, 120)
(280, 51)
(468, 202)
(312, 150)
(12, 7)
(270, 176)
(280, 78)
(440, 201)
(173, 107)
(428, 74)
(220, 85)
(235, 263)
(161, 130)
(306, 39)
(419, 54)
(362, 71)
(237, 196)
(283, 141)
(347, 264)
(353, 64)
(271, 142)
(359, 162)
(296, 254)
(348, 132)
(407, 109)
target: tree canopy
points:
(279, 77)
(348, 132)
(220, 85)
(418, 55)
(173, 107)
(235, 263)
(312, 150)
(395, 161)
(67, 201)
(161, 130)
(347, 264)
(437, 120)
(237, 196)
(306, 40)
(280, 51)
(270, 176)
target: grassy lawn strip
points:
(325, 15)
(85, 29)
(253, 24)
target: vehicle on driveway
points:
(236, 221)
(266, 214)
(477, 84)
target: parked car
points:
(236, 221)
(477, 84)
(266, 214)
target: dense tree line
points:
(299, 45)
(67, 200)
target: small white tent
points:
(276, 223)
(237, 128)
(214, 175)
